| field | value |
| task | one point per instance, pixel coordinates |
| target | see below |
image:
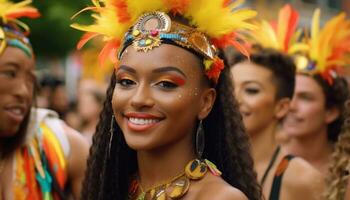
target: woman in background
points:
(317, 109)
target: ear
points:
(282, 108)
(332, 114)
(206, 102)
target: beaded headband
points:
(12, 31)
(154, 28)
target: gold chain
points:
(162, 184)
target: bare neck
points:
(316, 149)
(161, 165)
(264, 144)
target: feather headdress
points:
(328, 49)
(217, 19)
(281, 35)
(13, 31)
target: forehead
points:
(163, 56)
(15, 56)
(250, 72)
(306, 84)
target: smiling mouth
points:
(16, 113)
(140, 122)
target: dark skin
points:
(158, 99)
(16, 97)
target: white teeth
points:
(17, 111)
(141, 121)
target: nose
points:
(23, 90)
(143, 97)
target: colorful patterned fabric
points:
(40, 169)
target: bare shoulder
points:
(303, 179)
(216, 188)
(74, 137)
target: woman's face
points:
(308, 113)
(16, 89)
(256, 95)
(159, 95)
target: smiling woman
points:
(169, 109)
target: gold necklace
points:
(177, 186)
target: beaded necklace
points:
(177, 186)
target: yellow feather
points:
(298, 48)
(315, 27)
(137, 7)
(225, 20)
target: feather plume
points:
(281, 35)
(328, 47)
(116, 16)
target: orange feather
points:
(85, 38)
(28, 12)
(122, 11)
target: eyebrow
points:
(169, 69)
(158, 70)
(127, 68)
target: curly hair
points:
(226, 144)
(336, 95)
(281, 65)
(340, 165)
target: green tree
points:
(51, 35)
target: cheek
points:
(260, 103)
(311, 110)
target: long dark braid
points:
(227, 144)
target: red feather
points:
(122, 11)
(28, 12)
(107, 51)
(292, 24)
(85, 38)
(215, 70)
(230, 40)
(226, 3)
(177, 6)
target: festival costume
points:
(147, 24)
(40, 164)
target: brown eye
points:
(126, 82)
(167, 85)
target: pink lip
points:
(141, 127)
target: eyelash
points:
(9, 73)
(167, 85)
(251, 91)
(125, 82)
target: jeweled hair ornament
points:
(281, 35)
(328, 49)
(12, 31)
(146, 24)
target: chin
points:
(9, 132)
